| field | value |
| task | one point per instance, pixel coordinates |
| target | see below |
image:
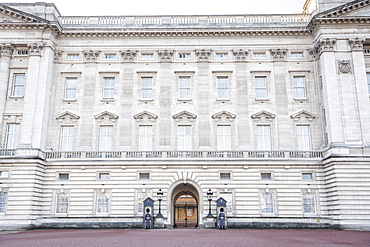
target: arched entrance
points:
(185, 201)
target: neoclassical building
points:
(268, 112)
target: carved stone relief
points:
(6, 49)
(357, 44)
(91, 55)
(279, 54)
(165, 55)
(203, 55)
(35, 49)
(128, 56)
(240, 55)
(344, 66)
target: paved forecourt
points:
(185, 237)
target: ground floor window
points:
(62, 202)
(3, 200)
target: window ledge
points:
(69, 100)
(107, 100)
(302, 99)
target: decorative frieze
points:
(128, 56)
(165, 55)
(203, 55)
(240, 55)
(34, 49)
(279, 54)
(91, 55)
(6, 49)
(323, 45)
(344, 66)
(357, 44)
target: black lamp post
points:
(209, 196)
(160, 197)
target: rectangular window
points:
(73, 56)
(309, 203)
(110, 56)
(66, 138)
(267, 203)
(63, 176)
(184, 55)
(222, 87)
(104, 176)
(3, 200)
(264, 137)
(296, 54)
(261, 87)
(105, 138)
(304, 137)
(144, 175)
(184, 138)
(259, 55)
(147, 56)
(22, 52)
(145, 138)
(222, 55)
(147, 88)
(71, 88)
(299, 87)
(307, 176)
(108, 87)
(266, 176)
(12, 136)
(102, 203)
(224, 137)
(368, 82)
(225, 176)
(18, 85)
(184, 87)
(62, 202)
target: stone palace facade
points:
(269, 112)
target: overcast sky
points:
(172, 7)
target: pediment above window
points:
(145, 116)
(303, 116)
(263, 117)
(67, 117)
(184, 116)
(106, 116)
(224, 116)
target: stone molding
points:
(128, 56)
(12, 117)
(224, 116)
(303, 116)
(240, 55)
(203, 55)
(91, 55)
(67, 117)
(34, 49)
(263, 117)
(357, 44)
(165, 55)
(145, 116)
(184, 116)
(106, 116)
(278, 54)
(6, 50)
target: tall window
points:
(309, 203)
(105, 138)
(71, 88)
(108, 87)
(147, 87)
(223, 87)
(267, 203)
(299, 87)
(12, 136)
(62, 201)
(66, 138)
(261, 87)
(184, 138)
(184, 87)
(368, 82)
(264, 137)
(145, 138)
(304, 137)
(102, 202)
(3, 200)
(18, 85)
(224, 137)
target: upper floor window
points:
(104, 176)
(184, 55)
(12, 136)
(63, 176)
(184, 138)
(224, 137)
(71, 89)
(145, 138)
(21, 52)
(296, 54)
(222, 55)
(299, 87)
(73, 56)
(266, 176)
(184, 87)
(223, 87)
(108, 87)
(3, 201)
(264, 137)
(18, 85)
(147, 88)
(261, 87)
(368, 82)
(268, 203)
(102, 202)
(147, 55)
(66, 138)
(259, 54)
(225, 175)
(105, 138)
(307, 176)
(144, 175)
(110, 56)
(304, 137)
